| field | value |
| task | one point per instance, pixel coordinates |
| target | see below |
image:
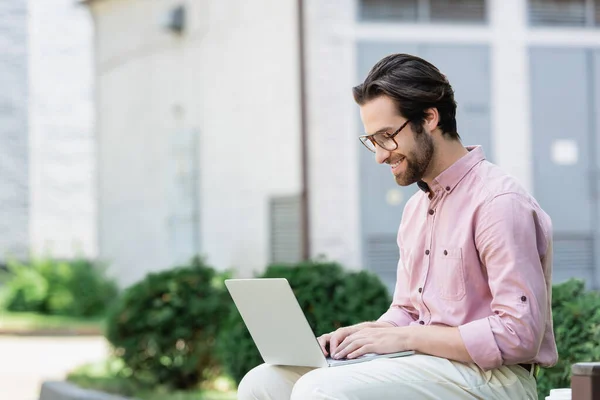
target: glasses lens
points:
(385, 142)
(368, 143)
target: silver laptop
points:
(278, 326)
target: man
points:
(473, 287)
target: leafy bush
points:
(111, 376)
(164, 327)
(76, 288)
(329, 296)
(576, 315)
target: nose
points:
(381, 154)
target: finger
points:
(323, 343)
(338, 337)
(340, 347)
(324, 350)
(361, 351)
(346, 346)
(350, 348)
(334, 342)
(347, 340)
(324, 338)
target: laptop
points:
(278, 326)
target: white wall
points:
(14, 157)
(232, 77)
(61, 149)
(139, 93)
(244, 67)
(333, 142)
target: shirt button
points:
(422, 323)
(431, 212)
(426, 251)
(523, 298)
(445, 252)
(420, 290)
(447, 188)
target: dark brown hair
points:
(415, 85)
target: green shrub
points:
(330, 298)
(164, 327)
(26, 289)
(113, 376)
(76, 288)
(576, 315)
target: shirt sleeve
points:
(510, 238)
(401, 312)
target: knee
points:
(315, 385)
(251, 382)
(262, 382)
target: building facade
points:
(197, 128)
(14, 152)
(46, 118)
(199, 123)
(61, 121)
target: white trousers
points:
(413, 378)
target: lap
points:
(414, 377)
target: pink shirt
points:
(478, 256)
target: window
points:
(437, 11)
(389, 10)
(457, 10)
(569, 13)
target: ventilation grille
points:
(382, 258)
(573, 252)
(423, 10)
(557, 12)
(286, 229)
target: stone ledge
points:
(67, 391)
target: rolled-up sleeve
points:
(401, 311)
(510, 239)
(397, 316)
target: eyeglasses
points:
(384, 140)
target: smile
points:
(397, 163)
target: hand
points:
(336, 337)
(373, 340)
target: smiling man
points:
(473, 286)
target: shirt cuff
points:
(396, 316)
(481, 344)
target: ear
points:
(432, 119)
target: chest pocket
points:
(449, 274)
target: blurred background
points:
(139, 134)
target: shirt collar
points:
(450, 177)
(423, 186)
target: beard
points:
(417, 160)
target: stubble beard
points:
(417, 161)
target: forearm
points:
(439, 341)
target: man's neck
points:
(447, 152)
